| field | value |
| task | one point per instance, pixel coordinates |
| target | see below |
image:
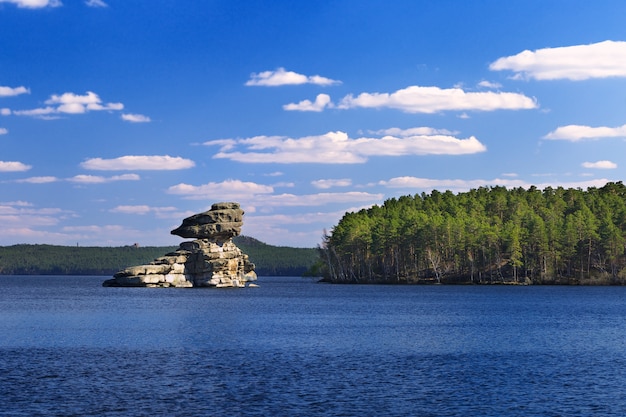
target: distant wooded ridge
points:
(486, 235)
(74, 260)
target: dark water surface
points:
(69, 347)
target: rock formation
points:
(211, 260)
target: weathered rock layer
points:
(211, 260)
(220, 224)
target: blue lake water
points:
(293, 347)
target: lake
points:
(294, 347)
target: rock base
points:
(198, 263)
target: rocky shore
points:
(210, 260)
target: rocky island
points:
(210, 260)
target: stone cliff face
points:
(211, 260)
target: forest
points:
(72, 260)
(488, 235)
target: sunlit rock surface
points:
(211, 260)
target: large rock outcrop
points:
(211, 260)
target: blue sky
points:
(118, 118)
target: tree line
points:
(26, 259)
(485, 235)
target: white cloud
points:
(224, 191)
(459, 185)
(283, 77)
(258, 195)
(96, 3)
(96, 179)
(13, 166)
(73, 103)
(142, 210)
(278, 229)
(3, 131)
(578, 62)
(135, 118)
(576, 133)
(9, 91)
(449, 184)
(137, 209)
(5, 112)
(416, 99)
(18, 218)
(25, 223)
(338, 148)
(329, 183)
(34, 4)
(41, 113)
(70, 103)
(600, 165)
(96, 229)
(321, 102)
(414, 131)
(302, 218)
(489, 84)
(312, 200)
(38, 180)
(224, 144)
(138, 162)
(284, 184)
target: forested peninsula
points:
(95, 260)
(487, 235)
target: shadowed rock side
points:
(211, 260)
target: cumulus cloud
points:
(70, 103)
(329, 183)
(3, 131)
(96, 179)
(137, 209)
(578, 62)
(25, 223)
(338, 148)
(575, 133)
(34, 4)
(38, 180)
(459, 185)
(413, 131)
(321, 102)
(263, 195)
(310, 225)
(283, 77)
(19, 221)
(138, 162)
(489, 84)
(13, 166)
(135, 118)
(226, 190)
(600, 165)
(13, 91)
(277, 220)
(417, 99)
(142, 210)
(96, 3)
(5, 112)
(320, 199)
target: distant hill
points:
(95, 260)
